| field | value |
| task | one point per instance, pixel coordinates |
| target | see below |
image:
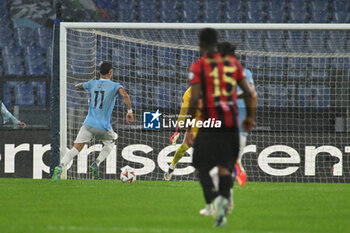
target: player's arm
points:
(181, 118)
(7, 115)
(127, 101)
(249, 121)
(254, 95)
(195, 97)
(79, 87)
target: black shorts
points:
(215, 147)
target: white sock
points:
(172, 167)
(103, 154)
(208, 206)
(68, 157)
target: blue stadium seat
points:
(233, 36)
(32, 52)
(135, 92)
(164, 95)
(43, 37)
(13, 65)
(319, 5)
(122, 56)
(211, 11)
(9, 94)
(24, 94)
(316, 35)
(341, 17)
(143, 73)
(336, 46)
(255, 6)
(276, 5)
(297, 5)
(278, 95)
(319, 74)
(298, 16)
(148, 15)
(188, 37)
(316, 46)
(34, 63)
(169, 36)
(233, 5)
(49, 60)
(275, 34)
(191, 11)
(341, 5)
(169, 11)
(315, 96)
(39, 92)
(126, 15)
(11, 51)
(211, 16)
(276, 62)
(297, 62)
(274, 45)
(123, 72)
(275, 73)
(126, 4)
(148, 4)
(151, 35)
(320, 62)
(193, 4)
(24, 37)
(191, 16)
(337, 35)
(233, 16)
(254, 17)
(319, 17)
(341, 62)
(294, 45)
(276, 16)
(0, 70)
(144, 56)
(296, 35)
(297, 74)
(3, 12)
(255, 11)
(257, 34)
(252, 61)
(167, 57)
(6, 40)
(253, 44)
(187, 57)
(169, 16)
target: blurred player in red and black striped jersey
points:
(214, 79)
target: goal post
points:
(301, 74)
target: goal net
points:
(301, 77)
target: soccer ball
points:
(127, 175)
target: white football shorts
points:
(87, 133)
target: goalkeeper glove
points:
(175, 136)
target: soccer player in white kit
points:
(98, 121)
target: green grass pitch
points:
(110, 206)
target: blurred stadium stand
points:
(26, 51)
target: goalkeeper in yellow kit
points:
(187, 142)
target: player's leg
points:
(180, 152)
(241, 176)
(229, 150)
(108, 138)
(209, 191)
(83, 137)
